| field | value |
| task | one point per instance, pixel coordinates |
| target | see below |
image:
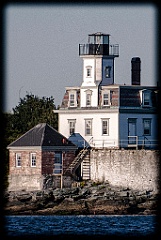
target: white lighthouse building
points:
(106, 114)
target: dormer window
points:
(106, 98)
(146, 100)
(89, 71)
(88, 98)
(72, 99)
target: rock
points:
(24, 198)
(88, 198)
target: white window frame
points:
(105, 127)
(88, 99)
(88, 127)
(146, 100)
(106, 99)
(18, 160)
(33, 159)
(72, 99)
(71, 122)
(147, 120)
(88, 71)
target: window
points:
(88, 99)
(18, 159)
(106, 97)
(105, 126)
(57, 163)
(98, 39)
(89, 71)
(88, 127)
(108, 72)
(71, 126)
(147, 126)
(145, 96)
(33, 159)
(71, 100)
(146, 99)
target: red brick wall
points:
(47, 162)
(68, 157)
(25, 168)
(65, 100)
(44, 162)
(115, 97)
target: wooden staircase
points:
(86, 167)
(76, 162)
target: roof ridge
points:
(43, 134)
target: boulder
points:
(87, 198)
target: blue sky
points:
(42, 41)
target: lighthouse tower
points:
(98, 66)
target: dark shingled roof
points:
(42, 135)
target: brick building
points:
(40, 152)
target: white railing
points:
(130, 142)
(139, 142)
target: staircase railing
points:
(77, 161)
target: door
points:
(132, 131)
(57, 163)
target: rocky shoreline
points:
(85, 198)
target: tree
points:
(31, 111)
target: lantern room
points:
(99, 44)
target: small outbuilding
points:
(38, 159)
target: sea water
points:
(126, 225)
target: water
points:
(80, 225)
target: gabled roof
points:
(78, 140)
(42, 135)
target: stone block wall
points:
(136, 169)
(25, 182)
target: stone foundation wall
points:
(25, 182)
(134, 169)
(37, 182)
